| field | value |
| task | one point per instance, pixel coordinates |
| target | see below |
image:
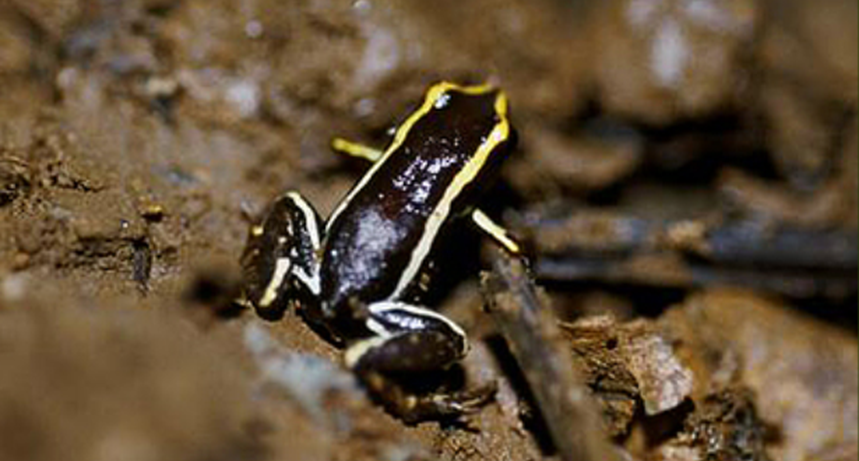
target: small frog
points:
(356, 275)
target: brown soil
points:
(138, 139)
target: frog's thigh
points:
(356, 150)
(500, 234)
(280, 254)
(408, 338)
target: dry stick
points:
(744, 243)
(610, 269)
(791, 261)
(534, 339)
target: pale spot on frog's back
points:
(373, 236)
(374, 233)
(419, 178)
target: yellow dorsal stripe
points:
(433, 94)
(500, 133)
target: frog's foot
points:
(413, 408)
(279, 261)
(412, 339)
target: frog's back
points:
(380, 236)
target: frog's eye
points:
(442, 101)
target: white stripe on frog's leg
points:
(406, 337)
(281, 270)
(387, 306)
(310, 218)
(356, 351)
(311, 281)
(309, 277)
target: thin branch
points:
(535, 340)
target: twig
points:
(534, 339)
(614, 248)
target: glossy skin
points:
(371, 249)
(355, 279)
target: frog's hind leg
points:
(280, 263)
(412, 339)
(408, 338)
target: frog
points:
(356, 275)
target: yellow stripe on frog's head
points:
(500, 133)
(433, 95)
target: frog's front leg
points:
(355, 149)
(280, 262)
(412, 339)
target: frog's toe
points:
(413, 408)
(471, 400)
(460, 406)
